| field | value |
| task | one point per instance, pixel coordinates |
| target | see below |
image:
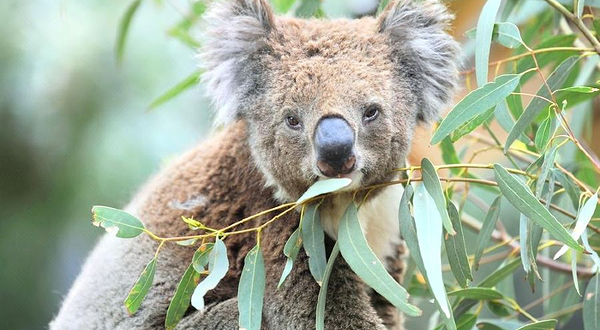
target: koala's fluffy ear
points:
(425, 52)
(235, 31)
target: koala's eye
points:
(371, 112)
(293, 122)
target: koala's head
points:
(337, 98)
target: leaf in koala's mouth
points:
(323, 187)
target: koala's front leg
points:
(293, 306)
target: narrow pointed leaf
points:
(362, 260)
(181, 300)
(466, 322)
(483, 238)
(291, 249)
(218, 265)
(555, 81)
(119, 222)
(579, 4)
(483, 38)
(124, 27)
(520, 196)
(591, 304)
(324, 187)
(574, 271)
(429, 234)
(188, 82)
(545, 132)
(583, 219)
(477, 293)
(201, 257)
(251, 290)
(141, 288)
(500, 274)
(547, 166)
(321, 301)
(505, 33)
(187, 242)
(540, 325)
(434, 188)
(314, 241)
(408, 230)
(570, 187)
(472, 124)
(475, 103)
(594, 255)
(457, 251)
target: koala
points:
(299, 100)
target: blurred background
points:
(75, 130)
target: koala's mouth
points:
(356, 176)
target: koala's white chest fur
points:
(378, 218)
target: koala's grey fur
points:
(259, 70)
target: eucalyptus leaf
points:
(218, 265)
(189, 81)
(201, 257)
(124, 27)
(434, 188)
(121, 223)
(251, 290)
(181, 300)
(324, 187)
(472, 124)
(483, 39)
(314, 241)
(487, 229)
(140, 288)
(583, 219)
(457, 251)
(477, 293)
(540, 325)
(546, 130)
(282, 6)
(520, 196)
(362, 260)
(507, 34)
(475, 103)
(321, 301)
(290, 250)
(429, 234)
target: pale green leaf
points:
(429, 235)
(555, 81)
(591, 304)
(475, 103)
(218, 265)
(187, 242)
(457, 251)
(483, 38)
(290, 250)
(477, 293)
(574, 271)
(282, 6)
(472, 124)
(181, 300)
(520, 196)
(483, 238)
(313, 240)
(546, 130)
(505, 33)
(251, 290)
(362, 260)
(408, 230)
(188, 82)
(583, 219)
(540, 325)
(579, 4)
(570, 187)
(141, 288)
(434, 188)
(124, 27)
(466, 322)
(321, 301)
(119, 222)
(500, 274)
(201, 257)
(309, 8)
(324, 187)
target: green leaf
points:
(475, 103)
(574, 271)
(579, 4)
(483, 238)
(545, 324)
(201, 257)
(555, 81)
(477, 293)
(291, 249)
(449, 154)
(141, 288)
(456, 250)
(500, 274)
(187, 242)
(119, 222)
(324, 187)
(594, 255)
(547, 166)
(483, 38)
(362, 260)
(282, 6)
(181, 300)
(583, 219)
(188, 82)
(321, 301)
(597, 26)
(576, 90)
(429, 233)
(507, 34)
(506, 120)
(407, 228)
(314, 241)
(466, 322)
(545, 132)
(520, 196)
(544, 59)
(309, 8)
(251, 290)
(434, 188)
(570, 187)
(472, 124)
(492, 324)
(498, 308)
(218, 265)
(124, 27)
(382, 5)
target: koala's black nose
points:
(334, 143)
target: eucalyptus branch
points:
(578, 22)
